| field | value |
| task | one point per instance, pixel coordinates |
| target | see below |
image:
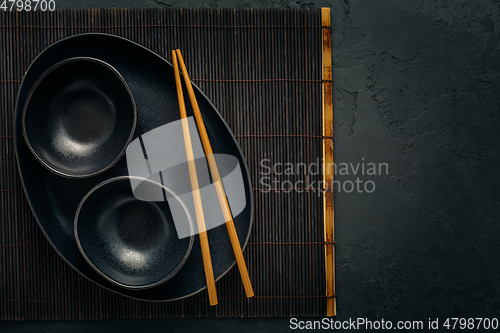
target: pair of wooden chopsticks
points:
(200, 219)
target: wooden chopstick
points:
(217, 181)
(200, 218)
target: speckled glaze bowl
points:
(131, 242)
(79, 117)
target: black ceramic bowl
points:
(132, 243)
(79, 117)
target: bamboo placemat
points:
(267, 73)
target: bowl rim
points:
(120, 284)
(43, 161)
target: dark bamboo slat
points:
(262, 69)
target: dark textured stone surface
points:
(417, 86)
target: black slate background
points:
(417, 86)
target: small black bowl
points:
(79, 117)
(130, 242)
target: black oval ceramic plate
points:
(54, 199)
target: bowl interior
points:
(80, 117)
(131, 242)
